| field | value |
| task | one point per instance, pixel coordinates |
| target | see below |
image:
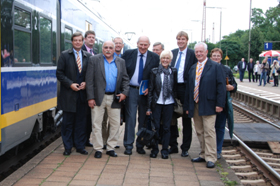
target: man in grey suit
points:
(107, 84)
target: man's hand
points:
(146, 92)
(122, 97)
(219, 109)
(148, 113)
(75, 86)
(82, 86)
(229, 87)
(91, 103)
(187, 112)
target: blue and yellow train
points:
(33, 34)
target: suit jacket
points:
(155, 86)
(96, 79)
(130, 57)
(189, 61)
(239, 65)
(212, 89)
(85, 49)
(66, 73)
(250, 68)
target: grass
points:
(224, 175)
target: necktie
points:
(79, 62)
(140, 74)
(91, 51)
(197, 79)
(178, 62)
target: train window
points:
(22, 46)
(22, 18)
(88, 26)
(100, 46)
(45, 40)
(96, 46)
(67, 38)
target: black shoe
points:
(141, 151)
(112, 153)
(117, 147)
(152, 155)
(185, 154)
(274, 86)
(128, 151)
(67, 152)
(88, 144)
(104, 147)
(82, 151)
(219, 156)
(164, 156)
(210, 164)
(173, 150)
(98, 154)
(199, 159)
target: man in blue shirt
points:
(118, 46)
(107, 84)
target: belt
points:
(134, 86)
(109, 93)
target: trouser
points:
(268, 76)
(205, 130)
(133, 102)
(165, 112)
(251, 73)
(275, 79)
(263, 77)
(257, 76)
(186, 121)
(241, 75)
(105, 128)
(114, 122)
(73, 128)
(220, 129)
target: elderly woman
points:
(231, 86)
(161, 99)
(257, 70)
(274, 67)
(264, 69)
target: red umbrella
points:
(270, 53)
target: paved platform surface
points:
(267, 92)
(51, 168)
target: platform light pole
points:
(249, 43)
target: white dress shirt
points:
(134, 79)
(182, 65)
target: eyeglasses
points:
(106, 47)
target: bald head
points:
(143, 44)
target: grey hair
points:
(143, 36)
(199, 44)
(159, 43)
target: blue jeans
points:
(241, 75)
(263, 77)
(220, 129)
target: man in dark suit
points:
(250, 68)
(71, 72)
(183, 59)
(107, 85)
(139, 63)
(242, 67)
(205, 96)
(88, 46)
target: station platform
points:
(267, 92)
(51, 168)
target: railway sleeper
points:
(258, 182)
(274, 165)
(245, 168)
(248, 175)
(229, 152)
(237, 162)
(271, 160)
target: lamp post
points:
(129, 35)
(249, 43)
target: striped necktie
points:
(197, 79)
(79, 62)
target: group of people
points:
(94, 85)
(260, 71)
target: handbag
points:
(146, 136)
(179, 108)
(278, 70)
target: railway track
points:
(256, 166)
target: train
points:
(33, 34)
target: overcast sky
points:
(161, 20)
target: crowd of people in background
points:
(94, 86)
(263, 71)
